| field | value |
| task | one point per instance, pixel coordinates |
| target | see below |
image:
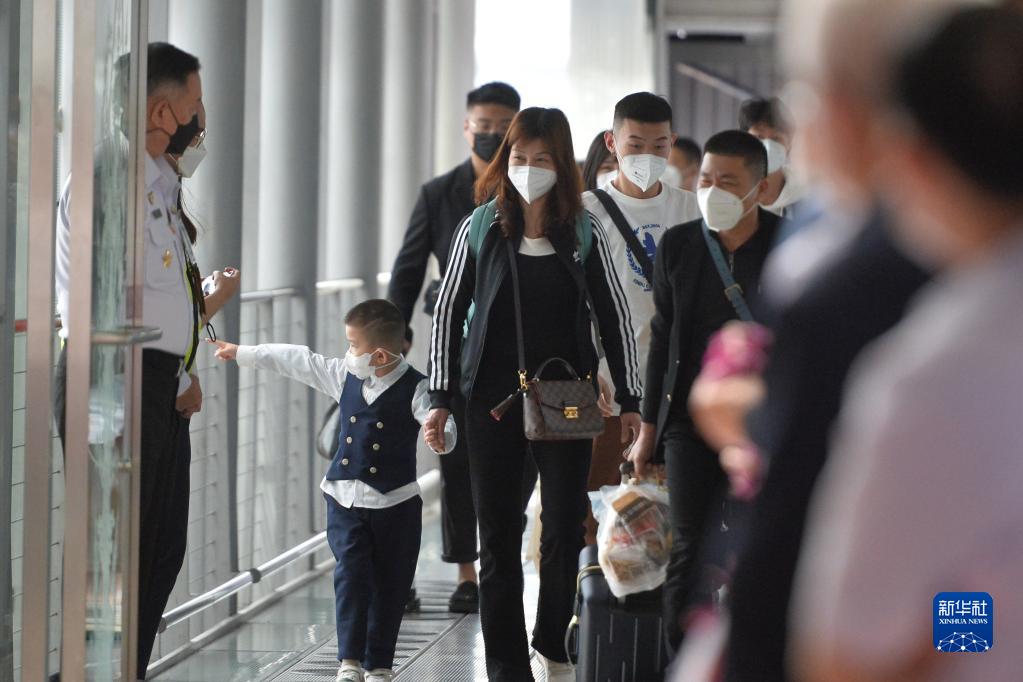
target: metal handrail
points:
(268, 294)
(428, 482)
(249, 577)
(331, 286)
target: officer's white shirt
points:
(166, 302)
(328, 375)
(649, 220)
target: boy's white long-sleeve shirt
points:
(328, 375)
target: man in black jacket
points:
(443, 203)
(698, 267)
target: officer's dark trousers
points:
(498, 453)
(165, 458)
(376, 551)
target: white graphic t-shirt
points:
(648, 218)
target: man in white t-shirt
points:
(641, 139)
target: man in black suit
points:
(443, 203)
(699, 268)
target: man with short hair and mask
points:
(634, 209)
(170, 296)
(442, 204)
(706, 273)
(769, 121)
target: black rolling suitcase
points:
(611, 639)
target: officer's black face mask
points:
(485, 144)
(183, 136)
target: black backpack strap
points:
(638, 252)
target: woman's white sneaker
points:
(557, 671)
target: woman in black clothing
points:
(537, 196)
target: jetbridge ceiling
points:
(720, 52)
(721, 16)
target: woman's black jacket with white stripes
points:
(477, 279)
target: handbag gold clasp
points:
(522, 380)
(571, 412)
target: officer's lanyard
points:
(194, 283)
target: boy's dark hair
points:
(689, 148)
(742, 144)
(494, 93)
(380, 321)
(770, 112)
(973, 58)
(645, 107)
(168, 65)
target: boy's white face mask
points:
(358, 365)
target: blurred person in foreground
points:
(921, 493)
(829, 292)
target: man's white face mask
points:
(190, 159)
(721, 209)
(643, 170)
(672, 176)
(777, 155)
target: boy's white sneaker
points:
(557, 671)
(380, 675)
(349, 672)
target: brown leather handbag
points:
(551, 409)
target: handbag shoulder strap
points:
(618, 218)
(733, 292)
(513, 264)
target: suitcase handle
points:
(572, 632)
(572, 639)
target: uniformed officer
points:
(171, 302)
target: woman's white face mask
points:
(721, 209)
(358, 365)
(606, 177)
(532, 182)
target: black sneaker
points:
(413, 603)
(465, 598)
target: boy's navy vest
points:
(378, 442)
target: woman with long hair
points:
(600, 166)
(562, 262)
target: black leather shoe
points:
(465, 598)
(413, 603)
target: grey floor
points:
(294, 640)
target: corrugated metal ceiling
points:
(721, 16)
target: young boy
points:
(374, 511)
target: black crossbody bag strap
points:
(618, 218)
